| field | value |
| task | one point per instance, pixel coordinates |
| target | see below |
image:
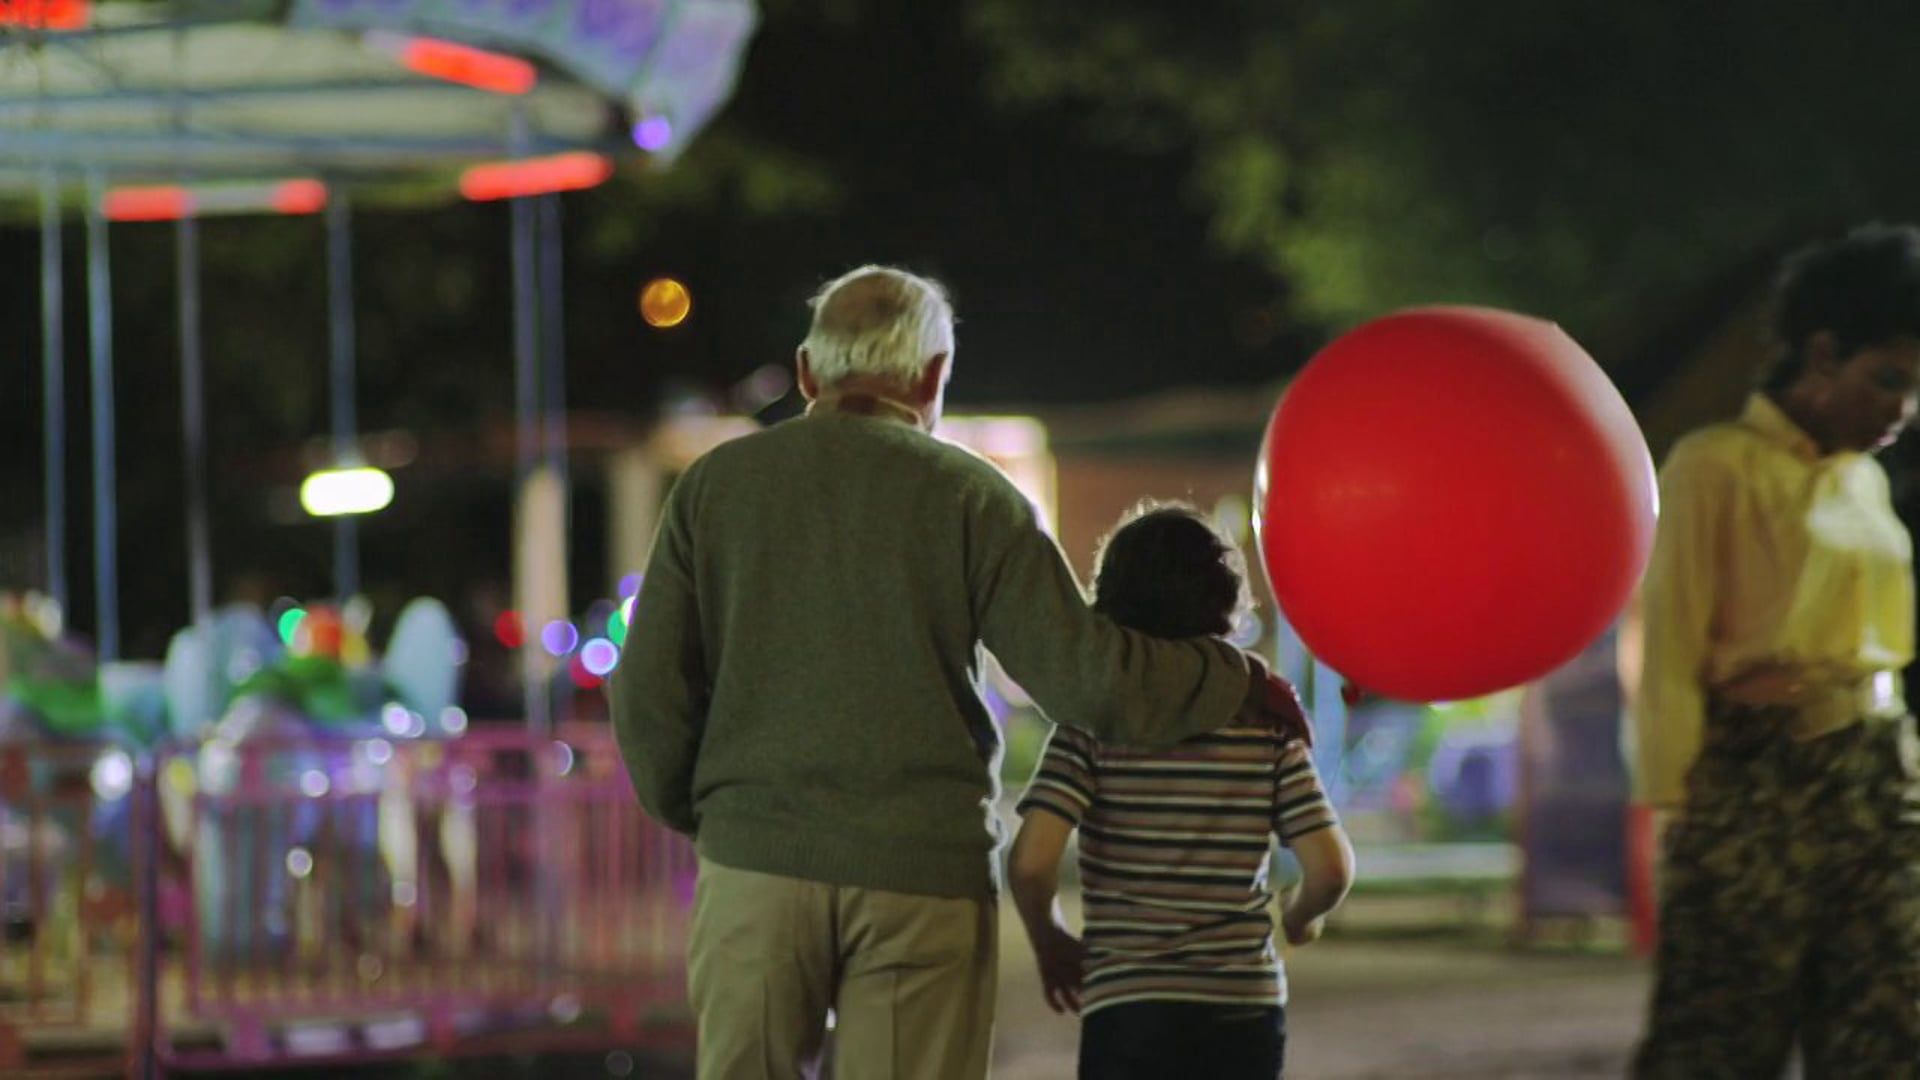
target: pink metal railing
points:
(68, 866)
(348, 899)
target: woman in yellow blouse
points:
(1769, 726)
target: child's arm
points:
(1033, 873)
(1326, 873)
(1306, 822)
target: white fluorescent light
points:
(333, 492)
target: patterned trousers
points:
(1790, 906)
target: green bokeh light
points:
(290, 623)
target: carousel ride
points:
(264, 763)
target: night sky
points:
(1079, 271)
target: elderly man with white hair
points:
(800, 694)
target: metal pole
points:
(526, 343)
(53, 347)
(554, 370)
(1327, 711)
(105, 496)
(553, 334)
(556, 709)
(148, 836)
(526, 383)
(346, 535)
(193, 422)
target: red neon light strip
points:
(46, 14)
(146, 204)
(299, 197)
(170, 203)
(468, 66)
(535, 176)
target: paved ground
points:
(1408, 986)
(1401, 1001)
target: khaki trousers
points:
(910, 979)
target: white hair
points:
(890, 327)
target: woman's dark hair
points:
(1864, 288)
(1166, 571)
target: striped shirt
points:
(1173, 860)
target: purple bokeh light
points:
(559, 637)
(653, 133)
(599, 656)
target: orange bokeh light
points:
(665, 302)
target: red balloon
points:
(1452, 501)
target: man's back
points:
(834, 557)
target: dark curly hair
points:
(1864, 288)
(1166, 571)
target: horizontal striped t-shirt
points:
(1173, 860)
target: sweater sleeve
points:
(658, 693)
(1085, 671)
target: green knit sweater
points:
(799, 690)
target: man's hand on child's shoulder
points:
(1273, 703)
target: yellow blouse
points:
(1768, 557)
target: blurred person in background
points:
(1769, 725)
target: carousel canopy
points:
(399, 96)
